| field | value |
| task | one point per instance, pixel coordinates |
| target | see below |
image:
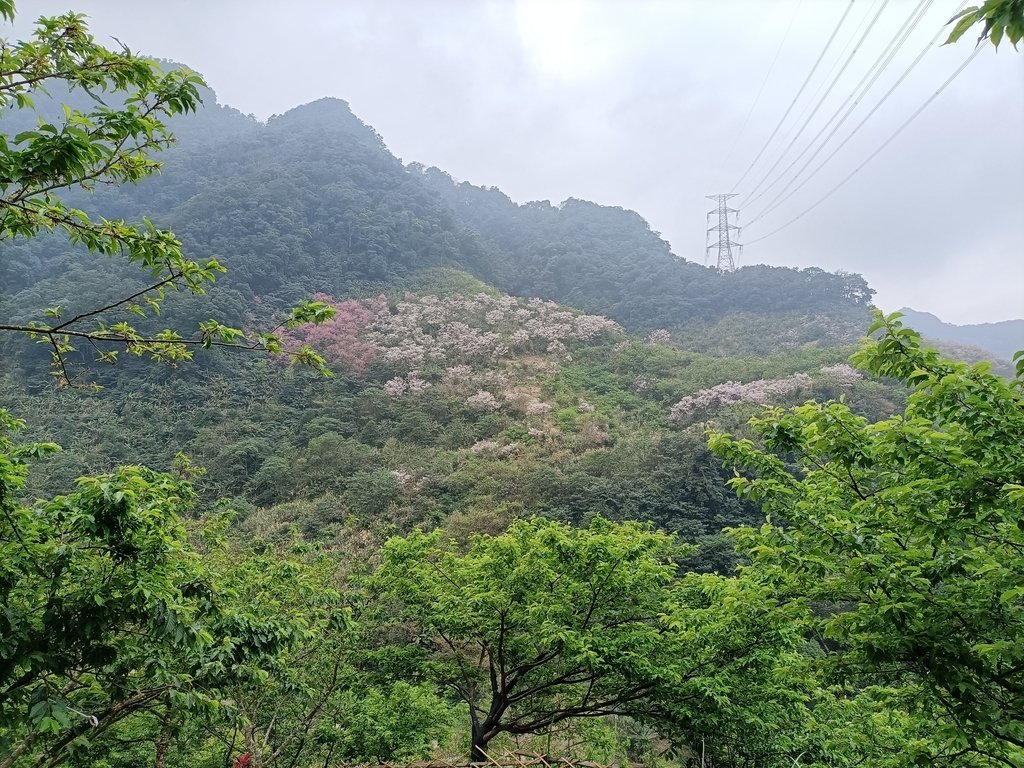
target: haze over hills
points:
(1000, 339)
(313, 201)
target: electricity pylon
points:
(725, 244)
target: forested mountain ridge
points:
(609, 260)
(312, 200)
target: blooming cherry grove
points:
(842, 374)
(339, 339)
(454, 331)
(457, 330)
(760, 392)
(733, 392)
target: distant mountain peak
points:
(1001, 339)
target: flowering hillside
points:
(455, 405)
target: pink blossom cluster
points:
(339, 339)
(459, 329)
(732, 392)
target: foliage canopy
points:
(547, 622)
(912, 527)
(109, 142)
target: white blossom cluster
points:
(494, 448)
(461, 329)
(411, 384)
(732, 392)
(462, 380)
(659, 336)
(483, 401)
(456, 376)
(525, 401)
(842, 374)
(595, 435)
(408, 481)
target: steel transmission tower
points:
(725, 244)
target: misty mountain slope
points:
(1000, 339)
(313, 201)
(609, 260)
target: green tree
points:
(547, 623)
(1000, 18)
(111, 143)
(112, 608)
(912, 528)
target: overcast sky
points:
(644, 104)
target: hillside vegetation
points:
(427, 473)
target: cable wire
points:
(814, 69)
(781, 197)
(856, 96)
(877, 152)
(764, 82)
(918, 12)
(840, 58)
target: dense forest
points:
(312, 457)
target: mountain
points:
(534, 355)
(313, 201)
(492, 363)
(513, 405)
(1001, 339)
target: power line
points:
(764, 82)
(856, 95)
(861, 91)
(839, 59)
(824, 50)
(878, 151)
(751, 197)
(781, 197)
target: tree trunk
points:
(163, 743)
(477, 752)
